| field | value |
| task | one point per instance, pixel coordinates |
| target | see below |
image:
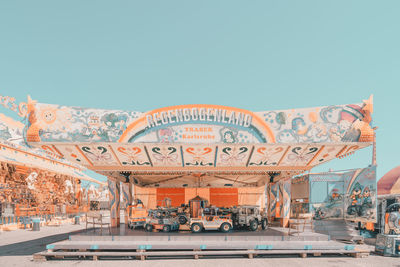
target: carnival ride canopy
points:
(13, 151)
(200, 145)
(9, 153)
(390, 182)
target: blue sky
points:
(256, 55)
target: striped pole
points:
(273, 194)
(114, 193)
(126, 198)
(284, 190)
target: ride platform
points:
(124, 243)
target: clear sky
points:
(256, 55)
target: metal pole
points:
(374, 147)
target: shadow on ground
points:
(33, 246)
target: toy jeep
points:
(211, 219)
(161, 219)
(249, 216)
(136, 215)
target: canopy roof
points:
(200, 145)
(13, 150)
(390, 182)
(183, 165)
(12, 154)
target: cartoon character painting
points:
(166, 135)
(287, 136)
(361, 201)
(367, 200)
(331, 114)
(275, 119)
(299, 126)
(353, 196)
(317, 132)
(228, 135)
(340, 120)
(335, 195)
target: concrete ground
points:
(17, 247)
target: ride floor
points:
(124, 233)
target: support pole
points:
(272, 196)
(374, 148)
(284, 190)
(114, 193)
(126, 199)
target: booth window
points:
(319, 192)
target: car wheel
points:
(264, 224)
(166, 228)
(253, 225)
(196, 228)
(225, 227)
(148, 227)
(182, 220)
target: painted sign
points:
(360, 203)
(200, 124)
(350, 195)
(216, 115)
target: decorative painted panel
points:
(233, 155)
(201, 124)
(175, 155)
(300, 155)
(327, 153)
(348, 195)
(267, 155)
(361, 195)
(72, 153)
(165, 155)
(350, 149)
(99, 155)
(199, 156)
(131, 154)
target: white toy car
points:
(211, 220)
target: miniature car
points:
(161, 219)
(136, 215)
(249, 216)
(183, 214)
(211, 220)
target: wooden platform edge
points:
(196, 254)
